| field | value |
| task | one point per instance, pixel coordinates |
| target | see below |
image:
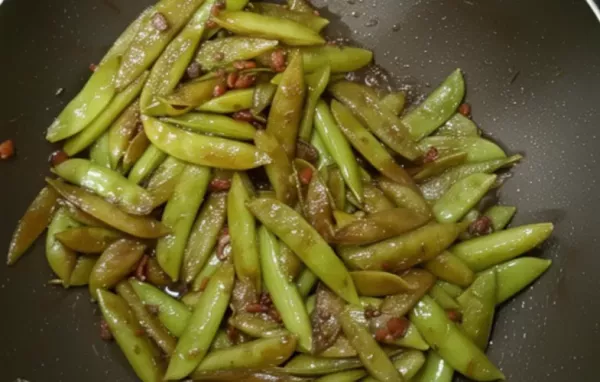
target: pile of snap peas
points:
(241, 211)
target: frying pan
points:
(533, 74)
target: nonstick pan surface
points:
(533, 74)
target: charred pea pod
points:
(438, 166)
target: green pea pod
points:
(443, 299)
(452, 289)
(439, 165)
(115, 263)
(340, 59)
(279, 171)
(435, 369)
(61, 259)
(404, 251)
(88, 104)
(150, 160)
(139, 226)
(139, 351)
(364, 103)
(337, 186)
(325, 158)
(304, 364)
(462, 196)
(104, 120)
(394, 101)
(269, 374)
(136, 149)
(459, 126)
(407, 363)
(82, 270)
(87, 239)
(163, 182)
(189, 95)
(230, 102)
(171, 313)
(32, 224)
(374, 283)
(318, 208)
(273, 28)
(365, 143)
(439, 106)
(179, 215)
(400, 304)
(450, 268)
(316, 83)
(99, 152)
(306, 282)
(343, 219)
(309, 20)
(306, 242)
(404, 196)
(262, 97)
(203, 150)
(291, 264)
(204, 235)
(477, 305)
(225, 51)
(213, 124)
(124, 40)
(107, 183)
(203, 325)
(209, 269)
(412, 339)
(485, 251)
(80, 216)
(344, 376)
(121, 132)
(500, 216)
(256, 326)
(477, 149)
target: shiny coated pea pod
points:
(458, 126)
(136, 149)
(450, 268)
(375, 283)
(87, 239)
(316, 83)
(291, 264)
(139, 351)
(213, 124)
(230, 102)
(124, 40)
(317, 207)
(439, 165)
(462, 196)
(477, 149)
(439, 106)
(308, 365)
(279, 171)
(412, 339)
(209, 269)
(99, 152)
(268, 27)
(400, 304)
(82, 271)
(343, 219)
(340, 59)
(32, 224)
(269, 374)
(435, 369)
(443, 299)
(477, 304)
(306, 282)
(344, 376)
(500, 216)
(452, 289)
(104, 211)
(61, 259)
(190, 95)
(256, 326)
(164, 180)
(150, 160)
(262, 97)
(337, 186)
(225, 51)
(404, 196)
(121, 132)
(309, 20)
(325, 158)
(394, 101)
(80, 216)
(203, 325)
(407, 363)
(306, 242)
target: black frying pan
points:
(533, 73)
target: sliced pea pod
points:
(439, 165)
(394, 101)
(61, 259)
(316, 83)
(179, 216)
(400, 304)
(443, 299)
(136, 149)
(209, 269)
(477, 304)
(450, 268)
(32, 224)
(273, 28)
(256, 326)
(88, 104)
(213, 124)
(435, 369)
(87, 239)
(485, 251)
(458, 126)
(439, 106)
(262, 97)
(124, 40)
(306, 282)
(230, 102)
(310, 20)
(99, 152)
(407, 363)
(325, 158)
(500, 216)
(477, 149)
(404, 196)
(375, 283)
(279, 171)
(340, 59)
(462, 196)
(82, 270)
(163, 182)
(225, 51)
(306, 242)
(150, 160)
(121, 132)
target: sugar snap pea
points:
(279, 171)
(325, 158)
(213, 124)
(394, 101)
(340, 59)
(164, 180)
(337, 186)
(80, 216)
(225, 51)
(477, 149)
(318, 209)
(61, 259)
(190, 95)
(462, 196)
(262, 97)
(124, 40)
(407, 363)
(300, 6)
(375, 283)
(344, 376)
(82, 270)
(443, 299)
(477, 306)
(310, 20)
(87, 239)
(439, 165)
(400, 304)
(500, 216)
(291, 264)
(450, 268)
(304, 364)
(256, 326)
(435, 369)
(136, 149)
(316, 83)
(121, 132)
(150, 160)
(452, 289)
(230, 102)
(404, 196)
(458, 126)
(209, 269)
(99, 152)
(306, 281)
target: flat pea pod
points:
(124, 40)
(268, 27)
(99, 152)
(203, 325)
(394, 101)
(412, 339)
(364, 103)
(203, 150)
(179, 215)
(404, 196)
(483, 252)
(443, 299)
(80, 216)
(88, 104)
(500, 216)
(435, 369)
(204, 235)
(344, 376)
(450, 342)
(304, 364)
(256, 326)
(87, 239)
(337, 186)
(190, 95)
(215, 124)
(318, 207)
(437, 108)
(209, 269)
(279, 171)
(438, 166)
(139, 226)
(450, 268)
(107, 183)
(400, 304)
(462, 196)
(136, 149)
(306, 282)
(139, 351)
(222, 52)
(340, 59)
(61, 259)
(230, 102)
(316, 83)
(152, 326)
(306, 242)
(150, 160)
(172, 314)
(309, 20)
(115, 263)
(103, 121)
(269, 374)
(82, 270)
(375, 283)
(477, 149)
(343, 219)
(407, 363)
(121, 132)
(262, 97)
(164, 180)
(452, 289)
(325, 159)
(458, 126)
(291, 264)
(283, 291)
(32, 224)
(477, 304)
(242, 231)
(155, 274)
(404, 251)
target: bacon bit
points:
(245, 81)
(233, 334)
(371, 312)
(397, 327)
(431, 155)
(232, 79)
(256, 308)
(219, 90)
(243, 115)
(203, 284)
(465, 109)
(105, 333)
(217, 185)
(153, 309)
(160, 22)
(193, 71)
(481, 226)
(454, 315)
(381, 334)
(222, 244)
(139, 332)
(219, 56)
(278, 60)
(7, 149)
(93, 67)
(305, 175)
(57, 158)
(241, 65)
(211, 24)
(140, 270)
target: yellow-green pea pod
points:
(452, 289)
(500, 216)
(300, 6)
(343, 219)
(435, 369)
(104, 120)
(214, 124)
(461, 197)
(179, 215)
(61, 259)
(291, 264)
(412, 339)
(306, 282)
(394, 101)
(87, 239)
(189, 95)
(221, 341)
(375, 283)
(306, 242)
(400, 304)
(256, 326)
(142, 355)
(283, 291)
(139, 226)
(230, 102)
(262, 97)
(88, 104)
(459, 126)
(435, 187)
(310, 20)
(364, 103)
(443, 299)
(439, 165)
(107, 183)
(404, 196)
(203, 150)
(99, 152)
(450, 268)
(477, 149)
(337, 186)
(204, 235)
(316, 83)
(269, 374)
(279, 171)
(318, 207)
(485, 251)
(325, 159)
(304, 364)
(477, 305)
(225, 51)
(230, 5)
(439, 106)
(124, 40)
(82, 271)
(203, 325)
(209, 269)
(121, 132)
(80, 216)
(344, 376)
(407, 363)
(172, 314)
(341, 348)
(136, 149)
(451, 343)
(150, 160)
(32, 224)
(164, 180)
(340, 59)
(273, 28)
